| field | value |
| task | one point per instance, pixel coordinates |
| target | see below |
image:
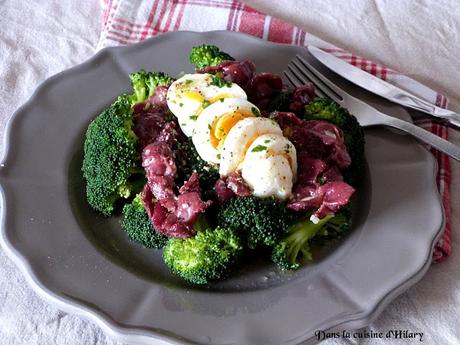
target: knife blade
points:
(382, 88)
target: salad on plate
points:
(224, 162)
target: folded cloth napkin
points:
(126, 22)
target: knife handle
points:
(429, 108)
(425, 136)
(448, 115)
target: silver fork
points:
(299, 72)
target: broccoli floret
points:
(207, 55)
(145, 83)
(327, 110)
(207, 256)
(189, 161)
(263, 221)
(337, 226)
(110, 158)
(289, 253)
(219, 81)
(137, 225)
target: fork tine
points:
(292, 79)
(296, 79)
(297, 68)
(318, 76)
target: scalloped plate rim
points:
(139, 335)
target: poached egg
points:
(189, 95)
(270, 166)
(216, 122)
(240, 137)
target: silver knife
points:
(382, 88)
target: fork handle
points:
(425, 136)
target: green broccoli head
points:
(207, 55)
(327, 110)
(111, 158)
(145, 84)
(207, 256)
(137, 225)
(263, 221)
(289, 253)
(188, 160)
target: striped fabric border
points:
(126, 22)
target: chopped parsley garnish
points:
(188, 81)
(206, 104)
(266, 141)
(193, 117)
(218, 156)
(255, 111)
(287, 148)
(181, 104)
(219, 81)
(259, 148)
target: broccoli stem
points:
(201, 224)
(295, 247)
(300, 233)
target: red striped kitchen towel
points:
(127, 22)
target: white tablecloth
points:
(419, 38)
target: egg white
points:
(208, 137)
(270, 166)
(190, 94)
(240, 137)
(269, 176)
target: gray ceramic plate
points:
(85, 264)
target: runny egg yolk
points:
(198, 97)
(220, 97)
(223, 125)
(195, 96)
